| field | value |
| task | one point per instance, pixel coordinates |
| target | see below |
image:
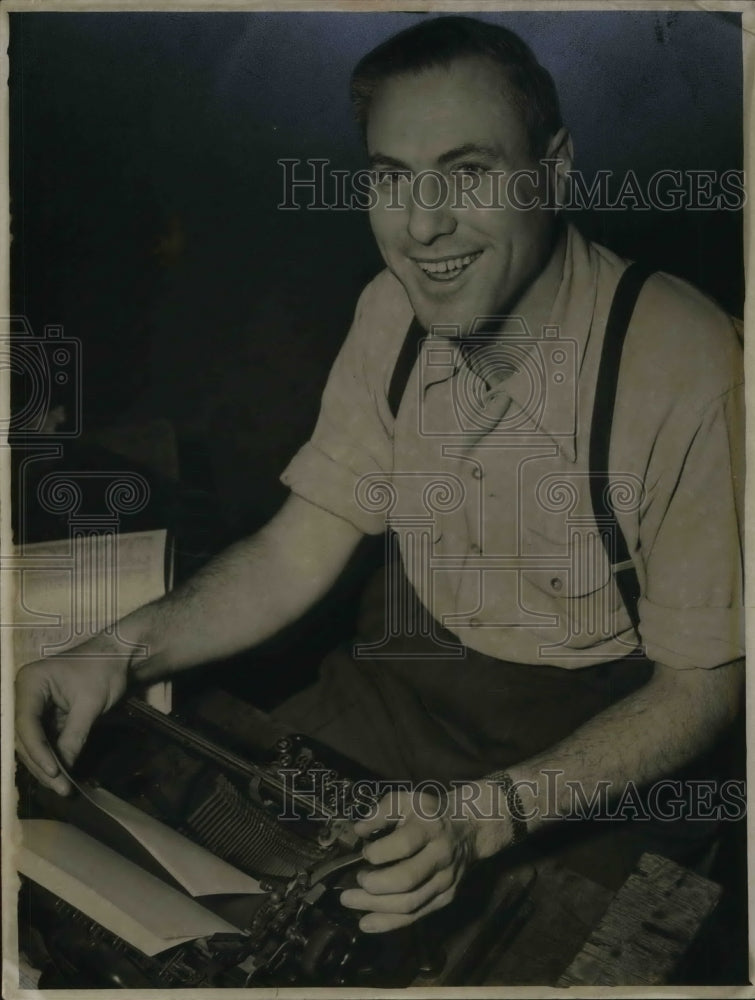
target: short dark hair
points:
(440, 41)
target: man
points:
(529, 663)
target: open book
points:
(63, 592)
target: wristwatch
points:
(513, 805)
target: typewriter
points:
(278, 807)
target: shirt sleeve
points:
(353, 437)
(692, 611)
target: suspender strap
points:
(404, 364)
(611, 534)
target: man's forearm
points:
(651, 733)
(232, 603)
(242, 597)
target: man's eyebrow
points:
(457, 153)
(380, 159)
(469, 149)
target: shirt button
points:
(556, 583)
(477, 472)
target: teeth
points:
(445, 266)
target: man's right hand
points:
(78, 690)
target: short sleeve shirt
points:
(485, 482)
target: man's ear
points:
(561, 152)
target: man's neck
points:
(536, 304)
(534, 307)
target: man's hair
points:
(441, 41)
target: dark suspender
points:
(404, 364)
(622, 307)
(611, 534)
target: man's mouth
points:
(447, 269)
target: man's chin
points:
(454, 317)
(453, 308)
(446, 322)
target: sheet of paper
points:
(192, 866)
(195, 868)
(125, 899)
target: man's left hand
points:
(422, 860)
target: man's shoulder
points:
(678, 335)
(384, 305)
(673, 304)
(685, 331)
(381, 321)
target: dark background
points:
(144, 190)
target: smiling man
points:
(425, 132)
(469, 412)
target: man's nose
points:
(430, 215)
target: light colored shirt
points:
(483, 475)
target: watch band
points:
(513, 805)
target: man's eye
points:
(476, 169)
(391, 177)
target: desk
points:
(564, 908)
(575, 932)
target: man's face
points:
(456, 260)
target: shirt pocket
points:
(573, 585)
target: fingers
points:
(380, 889)
(379, 923)
(392, 808)
(422, 860)
(392, 910)
(410, 873)
(32, 745)
(77, 693)
(59, 783)
(76, 726)
(396, 807)
(405, 891)
(401, 843)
